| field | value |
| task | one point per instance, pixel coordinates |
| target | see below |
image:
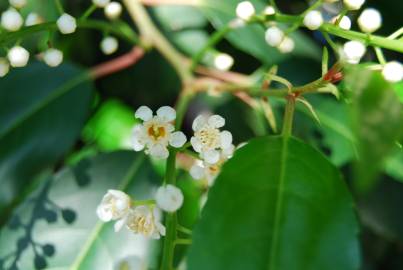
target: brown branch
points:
(117, 64)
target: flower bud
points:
(274, 36)
(4, 67)
(67, 24)
(109, 45)
(269, 10)
(393, 71)
(370, 20)
(53, 57)
(287, 45)
(100, 3)
(245, 10)
(33, 19)
(223, 61)
(353, 4)
(353, 51)
(113, 10)
(345, 22)
(18, 56)
(11, 20)
(169, 198)
(313, 20)
(18, 3)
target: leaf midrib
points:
(126, 181)
(279, 205)
(65, 88)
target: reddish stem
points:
(117, 64)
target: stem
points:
(51, 26)
(88, 12)
(183, 241)
(373, 40)
(152, 37)
(288, 115)
(380, 56)
(59, 7)
(143, 202)
(214, 39)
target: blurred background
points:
(62, 139)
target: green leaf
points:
(377, 116)
(277, 204)
(111, 126)
(184, 26)
(82, 242)
(394, 165)
(399, 90)
(250, 39)
(42, 111)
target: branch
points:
(117, 64)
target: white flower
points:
(142, 220)
(313, 20)
(245, 10)
(109, 45)
(53, 57)
(33, 19)
(345, 22)
(370, 20)
(208, 140)
(274, 36)
(269, 10)
(223, 61)
(67, 24)
(287, 45)
(18, 56)
(204, 170)
(11, 20)
(115, 205)
(113, 10)
(156, 132)
(236, 23)
(393, 71)
(353, 4)
(18, 3)
(353, 51)
(169, 198)
(100, 3)
(4, 67)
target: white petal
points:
(211, 156)
(138, 137)
(197, 146)
(166, 113)
(226, 139)
(144, 113)
(161, 228)
(119, 224)
(199, 122)
(177, 139)
(103, 215)
(159, 151)
(197, 172)
(228, 152)
(216, 121)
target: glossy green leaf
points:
(394, 165)
(111, 126)
(278, 204)
(377, 118)
(42, 111)
(250, 39)
(59, 219)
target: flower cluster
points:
(369, 21)
(138, 217)
(12, 20)
(142, 219)
(213, 146)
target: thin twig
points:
(117, 64)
